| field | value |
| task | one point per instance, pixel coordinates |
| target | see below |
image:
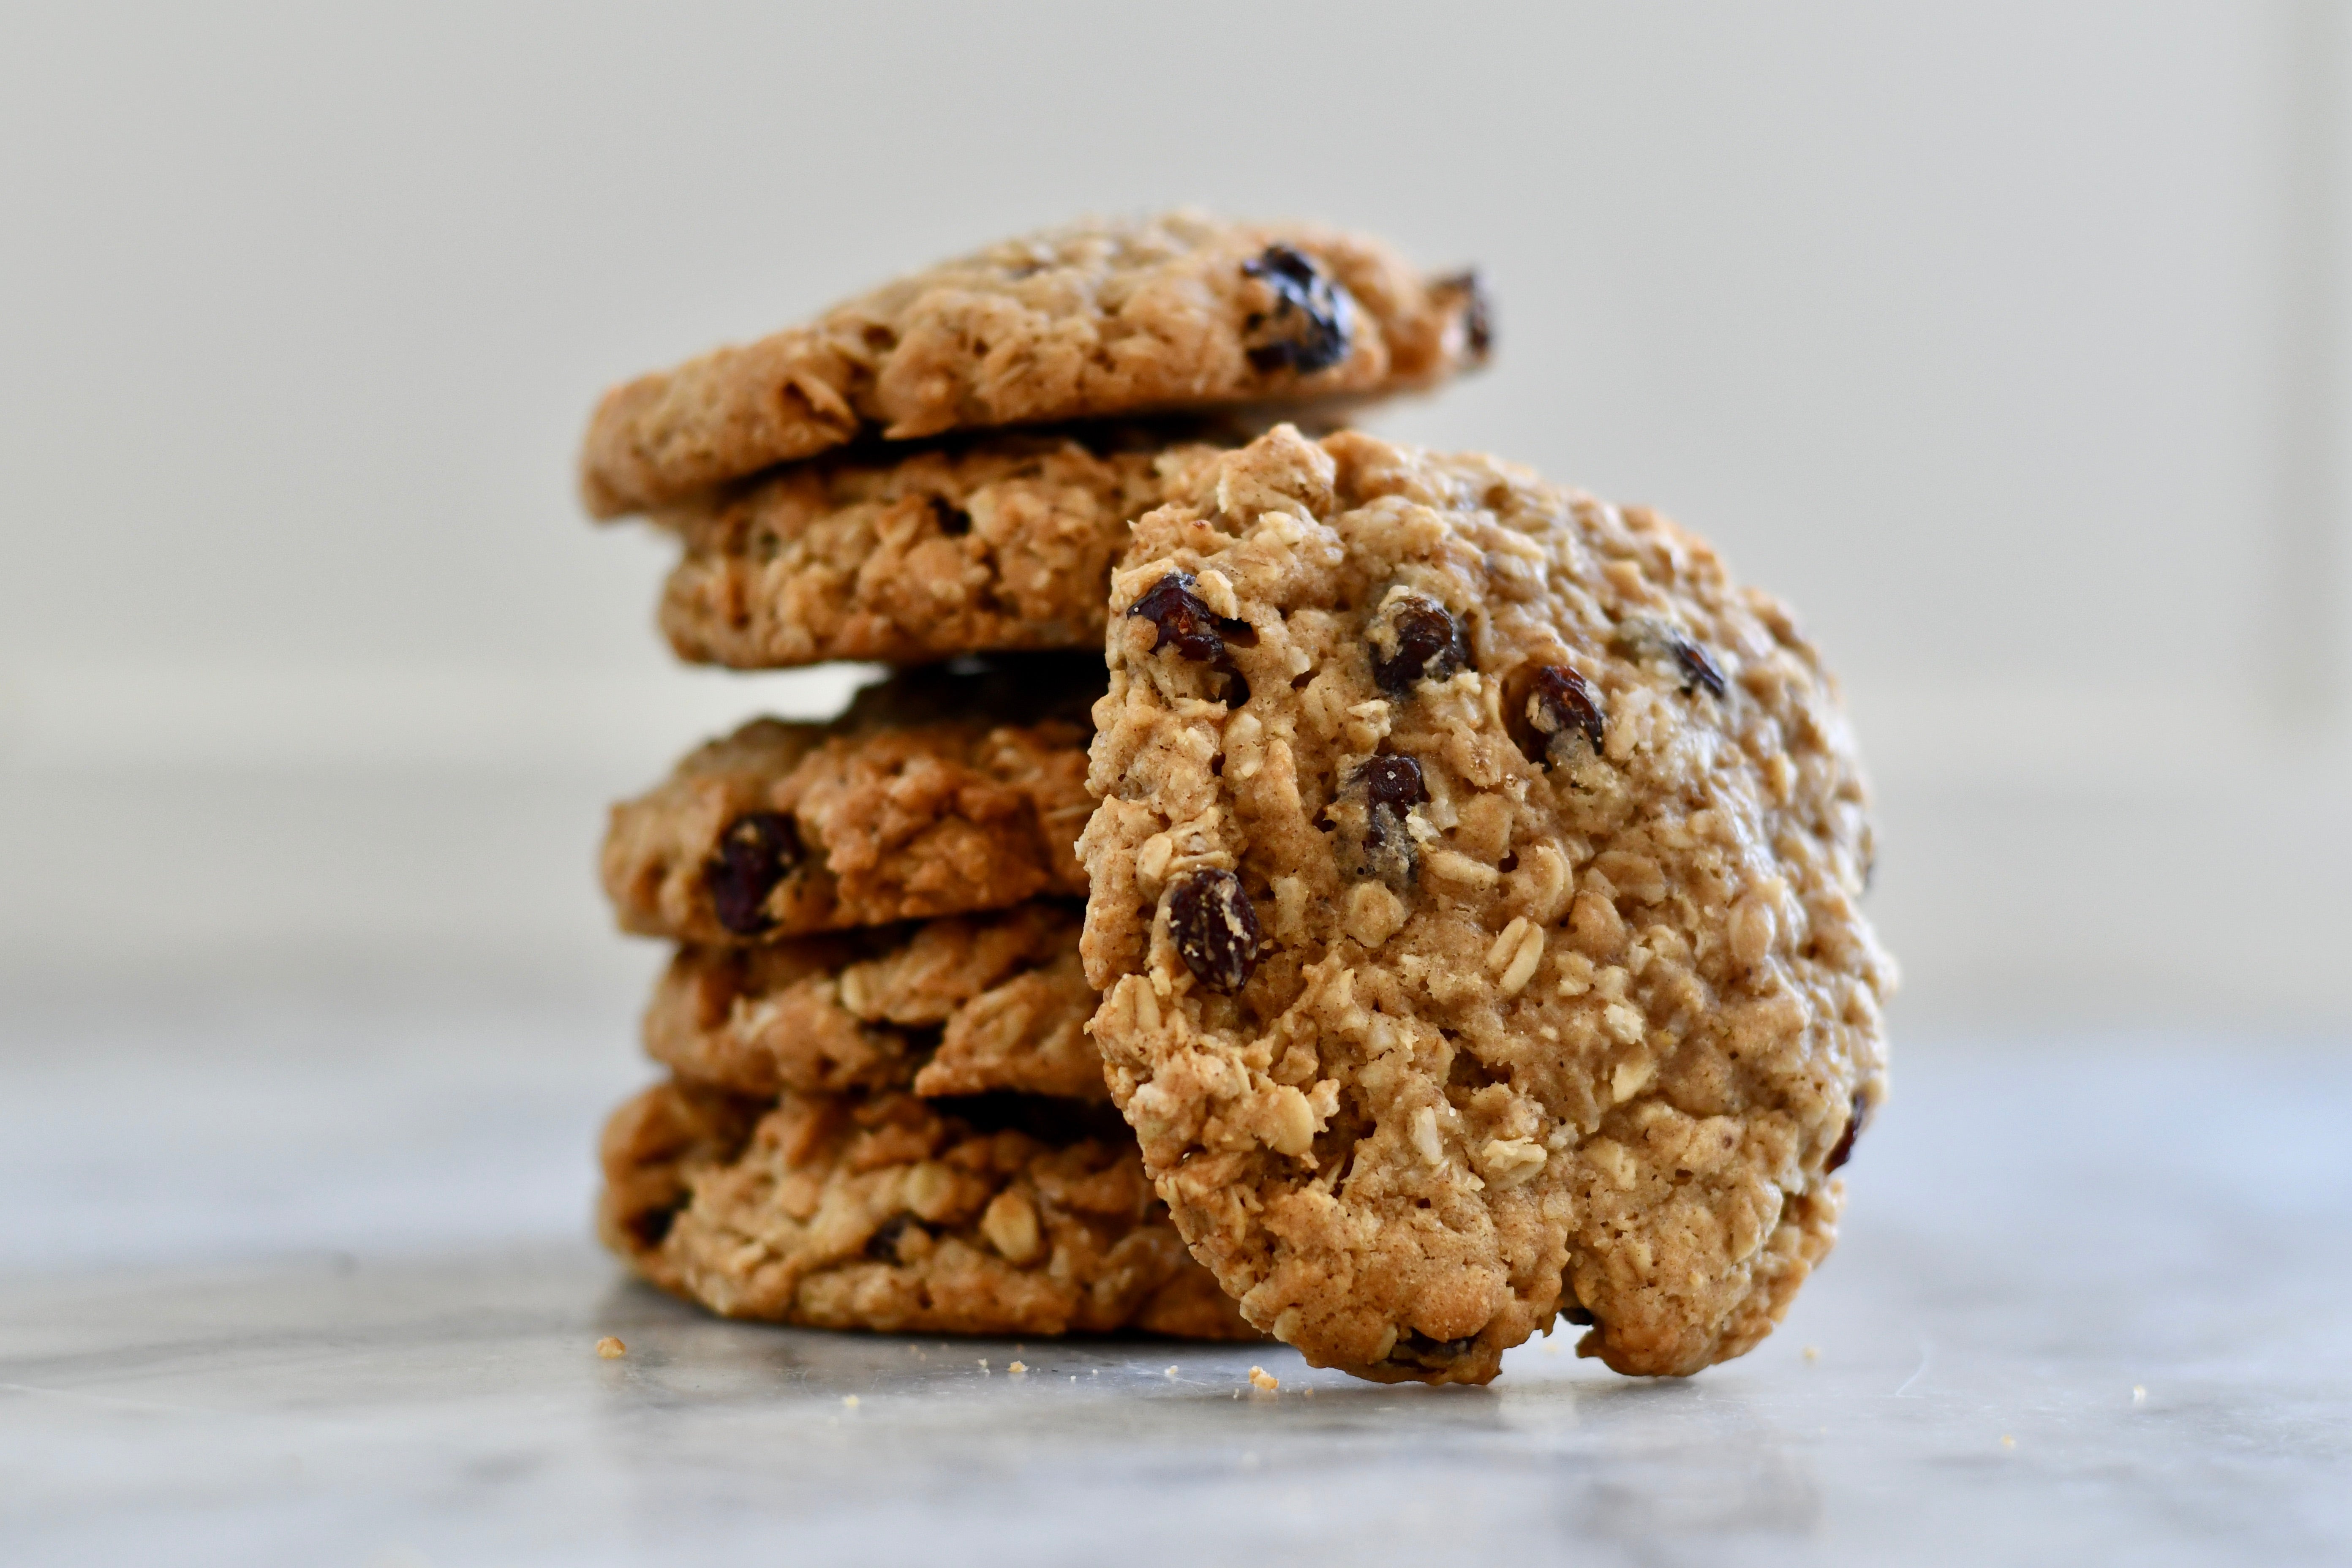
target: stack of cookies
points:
(883, 1110)
(1469, 935)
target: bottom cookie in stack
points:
(900, 1129)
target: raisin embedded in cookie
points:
(1474, 896)
(899, 810)
(967, 1005)
(1003, 542)
(1177, 312)
(1001, 1215)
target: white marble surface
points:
(310, 1286)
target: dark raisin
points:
(1393, 782)
(953, 519)
(1843, 1150)
(1543, 705)
(883, 1244)
(1697, 668)
(1313, 320)
(1183, 622)
(1414, 639)
(1477, 316)
(1370, 813)
(1216, 931)
(758, 850)
(1180, 621)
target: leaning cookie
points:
(967, 1005)
(1006, 1214)
(1474, 892)
(891, 813)
(1178, 312)
(1001, 541)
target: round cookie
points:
(898, 810)
(967, 1005)
(1177, 312)
(999, 542)
(1474, 896)
(1008, 1215)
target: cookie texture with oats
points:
(1001, 1215)
(1182, 311)
(939, 793)
(1001, 541)
(967, 1005)
(1474, 893)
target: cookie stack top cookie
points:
(1181, 313)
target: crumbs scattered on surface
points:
(611, 1348)
(1812, 1352)
(849, 1401)
(1017, 1368)
(1263, 1380)
(2007, 1441)
(1171, 1375)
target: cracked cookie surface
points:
(1177, 312)
(1474, 892)
(967, 1005)
(1006, 1214)
(1004, 542)
(899, 810)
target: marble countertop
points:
(312, 1287)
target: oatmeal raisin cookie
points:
(1475, 895)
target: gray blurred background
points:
(2010, 341)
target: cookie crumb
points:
(1812, 1352)
(1017, 1368)
(1263, 1380)
(1308, 1390)
(2139, 1394)
(2007, 1441)
(849, 1401)
(611, 1348)
(1171, 1375)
